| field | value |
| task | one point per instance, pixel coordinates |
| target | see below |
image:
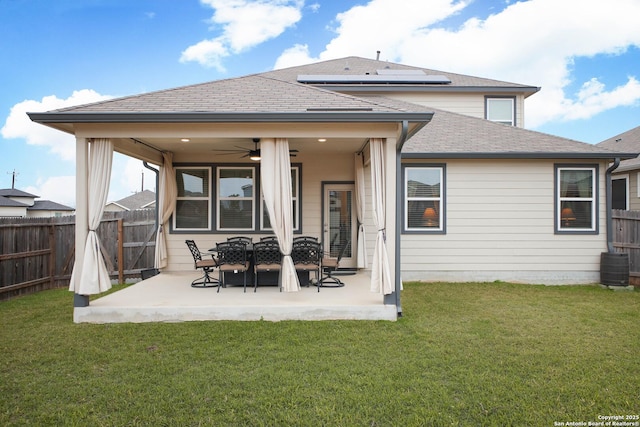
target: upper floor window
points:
(501, 110)
(193, 200)
(576, 204)
(424, 198)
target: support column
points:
(390, 215)
(82, 211)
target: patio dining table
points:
(265, 278)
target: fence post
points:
(52, 254)
(120, 251)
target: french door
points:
(339, 222)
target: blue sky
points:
(586, 58)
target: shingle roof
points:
(628, 141)
(7, 202)
(138, 200)
(452, 134)
(48, 205)
(250, 94)
(12, 192)
(354, 65)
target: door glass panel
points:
(340, 221)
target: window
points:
(620, 191)
(193, 200)
(423, 198)
(226, 198)
(501, 110)
(576, 203)
(236, 198)
(295, 188)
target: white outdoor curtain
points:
(275, 173)
(167, 193)
(92, 276)
(361, 244)
(380, 270)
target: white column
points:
(82, 206)
(390, 208)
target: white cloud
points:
(18, 124)
(59, 189)
(532, 42)
(296, 55)
(245, 24)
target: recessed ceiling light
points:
(185, 140)
(322, 139)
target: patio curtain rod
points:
(147, 145)
(364, 146)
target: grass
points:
(483, 354)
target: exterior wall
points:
(13, 211)
(468, 104)
(500, 226)
(316, 168)
(634, 190)
(48, 214)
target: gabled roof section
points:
(452, 135)
(48, 205)
(254, 94)
(355, 66)
(138, 200)
(628, 141)
(7, 202)
(12, 192)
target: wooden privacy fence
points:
(626, 239)
(38, 253)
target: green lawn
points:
(483, 354)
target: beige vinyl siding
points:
(634, 190)
(500, 226)
(468, 104)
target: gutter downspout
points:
(394, 298)
(609, 190)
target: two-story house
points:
(429, 174)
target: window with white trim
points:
(235, 198)
(193, 199)
(423, 197)
(295, 195)
(501, 110)
(576, 204)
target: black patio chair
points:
(269, 239)
(232, 258)
(305, 238)
(207, 266)
(307, 257)
(242, 239)
(266, 257)
(330, 265)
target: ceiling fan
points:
(253, 154)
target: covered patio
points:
(168, 297)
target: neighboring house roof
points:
(12, 192)
(628, 141)
(7, 202)
(48, 205)
(140, 200)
